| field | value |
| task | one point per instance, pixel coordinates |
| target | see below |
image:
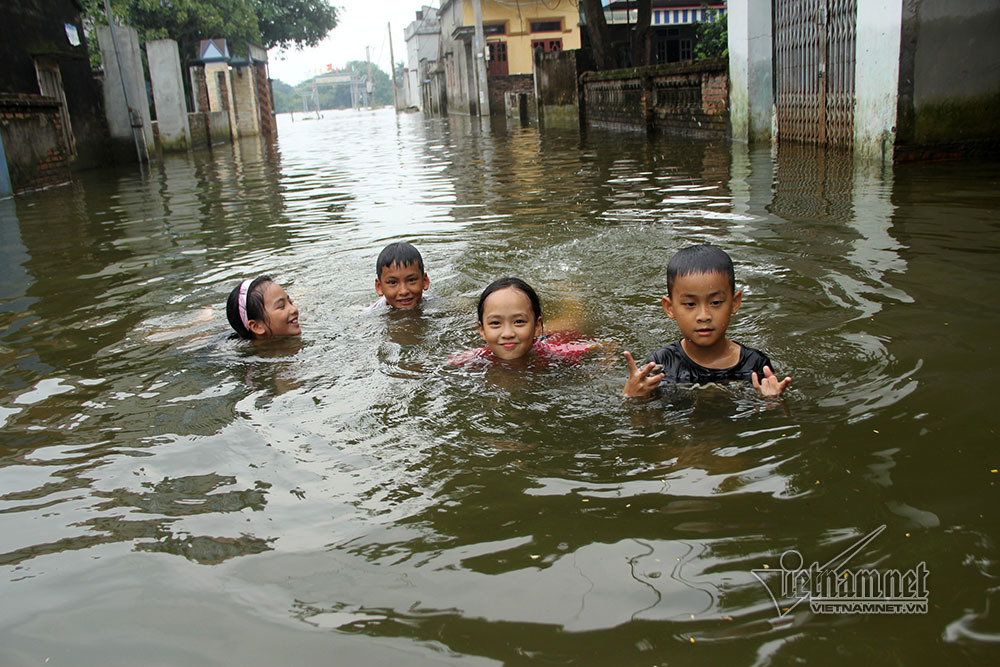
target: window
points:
(547, 26)
(495, 28)
(686, 49)
(546, 45)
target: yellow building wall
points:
(517, 18)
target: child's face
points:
(702, 304)
(509, 324)
(402, 285)
(280, 314)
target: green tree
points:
(285, 23)
(285, 97)
(270, 23)
(339, 96)
(712, 37)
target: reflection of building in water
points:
(841, 209)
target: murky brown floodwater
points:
(168, 496)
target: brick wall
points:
(268, 122)
(683, 98)
(501, 84)
(31, 127)
(198, 122)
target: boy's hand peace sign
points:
(642, 380)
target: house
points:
(51, 113)
(513, 31)
(422, 38)
(673, 24)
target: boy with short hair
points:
(701, 297)
(399, 277)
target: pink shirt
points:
(556, 347)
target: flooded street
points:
(170, 496)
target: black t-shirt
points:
(679, 369)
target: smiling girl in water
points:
(510, 321)
(259, 308)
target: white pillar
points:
(876, 78)
(168, 93)
(125, 63)
(751, 89)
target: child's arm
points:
(771, 386)
(640, 382)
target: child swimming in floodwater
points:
(510, 321)
(400, 279)
(259, 308)
(701, 297)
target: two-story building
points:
(512, 30)
(422, 45)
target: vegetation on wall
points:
(712, 37)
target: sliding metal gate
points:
(814, 70)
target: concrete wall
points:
(209, 128)
(244, 87)
(557, 86)
(949, 95)
(218, 83)
(32, 136)
(119, 119)
(876, 78)
(168, 95)
(751, 82)
(500, 86)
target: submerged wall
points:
(557, 82)
(678, 98)
(32, 135)
(949, 94)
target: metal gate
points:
(814, 70)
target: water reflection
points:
(353, 480)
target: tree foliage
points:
(269, 23)
(713, 37)
(285, 23)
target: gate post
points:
(751, 92)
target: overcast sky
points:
(360, 23)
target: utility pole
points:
(370, 85)
(478, 54)
(392, 70)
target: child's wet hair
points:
(516, 283)
(254, 306)
(398, 253)
(700, 259)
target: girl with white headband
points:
(259, 308)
